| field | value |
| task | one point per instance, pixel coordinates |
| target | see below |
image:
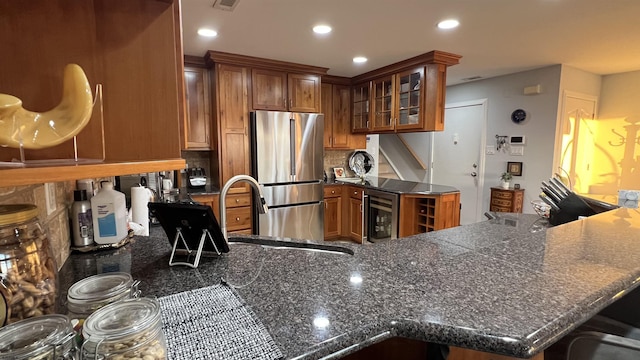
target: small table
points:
(506, 200)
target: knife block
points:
(571, 207)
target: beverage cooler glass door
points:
(382, 216)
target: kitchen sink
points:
(290, 245)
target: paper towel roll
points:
(140, 197)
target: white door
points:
(457, 156)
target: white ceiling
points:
(495, 37)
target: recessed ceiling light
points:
(359, 59)
(207, 32)
(322, 29)
(448, 24)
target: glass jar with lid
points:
(47, 337)
(127, 329)
(90, 294)
(28, 270)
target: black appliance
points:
(196, 178)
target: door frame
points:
(560, 123)
(483, 143)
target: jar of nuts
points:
(47, 337)
(126, 329)
(28, 270)
(90, 294)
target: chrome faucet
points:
(262, 208)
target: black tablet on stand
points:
(192, 229)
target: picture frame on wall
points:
(515, 168)
(339, 172)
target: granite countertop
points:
(397, 186)
(508, 285)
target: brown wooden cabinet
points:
(239, 213)
(198, 108)
(405, 96)
(424, 213)
(506, 200)
(355, 211)
(336, 107)
(282, 91)
(143, 94)
(332, 211)
(231, 119)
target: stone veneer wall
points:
(55, 224)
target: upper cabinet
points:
(336, 107)
(407, 96)
(281, 91)
(132, 48)
(198, 108)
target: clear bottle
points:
(81, 220)
(90, 294)
(126, 329)
(48, 337)
(28, 270)
(109, 212)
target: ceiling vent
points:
(472, 78)
(227, 5)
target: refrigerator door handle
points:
(292, 148)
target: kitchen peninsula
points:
(508, 285)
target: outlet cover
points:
(50, 197)
(490, 150)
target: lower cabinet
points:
(239, 213)
(332, 212)
(354, 227)
(506, 200)
(424, 213)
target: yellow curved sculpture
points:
(34, 130)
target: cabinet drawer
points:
(238, 218)
(332, 191)
(499, 208)
(355, 193)
(501, 202)
(503, 194)
(237, 200)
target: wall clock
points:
(518, 116)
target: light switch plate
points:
(516, 150)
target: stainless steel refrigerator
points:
(287, 160)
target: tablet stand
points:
(205, 235)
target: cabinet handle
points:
(237, 218)
(237, 201)
(284, 102)
(333, 191)
(290, 103)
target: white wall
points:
(505, 94)
(620, 96)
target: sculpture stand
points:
(76, 159)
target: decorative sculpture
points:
(21, 128)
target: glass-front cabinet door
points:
(408, 95)
(360, 118)
(383, 104)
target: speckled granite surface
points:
(507, 285)
(397, 186)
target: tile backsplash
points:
(55, 224)
(337, 158)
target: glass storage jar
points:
(127, 329)
(90, 294)
(47, 337)
(28, 270)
